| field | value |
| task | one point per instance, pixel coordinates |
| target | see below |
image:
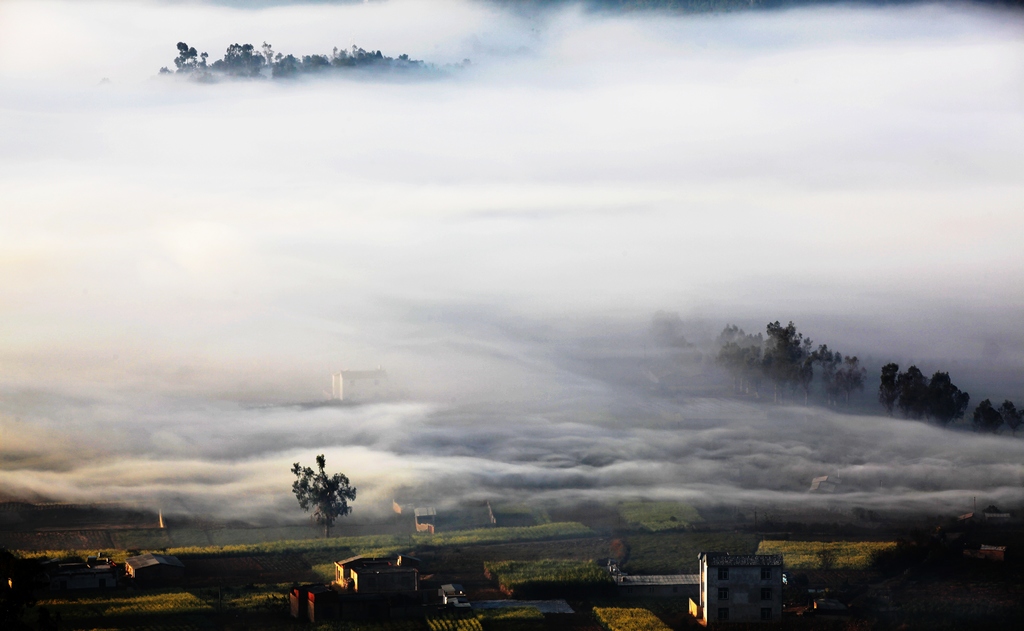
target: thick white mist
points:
(169, 251)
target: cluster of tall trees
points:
(988, 418)
(788, 361)
(245, 61)
(917, 396)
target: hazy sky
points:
(171, 253)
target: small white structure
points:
(825, 484)
(359, 385)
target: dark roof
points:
(349, 560)
(725, 559)
(150, 559)
(662, 579)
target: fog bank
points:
(180, 263)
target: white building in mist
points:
(359, 385)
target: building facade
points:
(739, 588)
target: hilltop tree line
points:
(788, 363)
(245, 61)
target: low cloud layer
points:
(181, 263)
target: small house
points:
(992, 513)
(154, 568)
(368, 575)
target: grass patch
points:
(823, 555)
(550, 577)
(676, 552)
(632, 619)
(658, 516)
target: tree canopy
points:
(327, 496)
(986, 418)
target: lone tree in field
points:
(328, 496)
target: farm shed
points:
(83, 576)
(739, 588)
(154, 568)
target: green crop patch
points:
(658, 516)
(628, 619)
(549, 577)
(676, 552)
(821, 555)
(161, 603)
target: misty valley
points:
(596, 316)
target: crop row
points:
(454, 623)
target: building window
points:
(723, 613)
(766, 613)
(766, 573)
(766, 593)
(723, 573)
(723, 593)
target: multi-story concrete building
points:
(739, 588)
